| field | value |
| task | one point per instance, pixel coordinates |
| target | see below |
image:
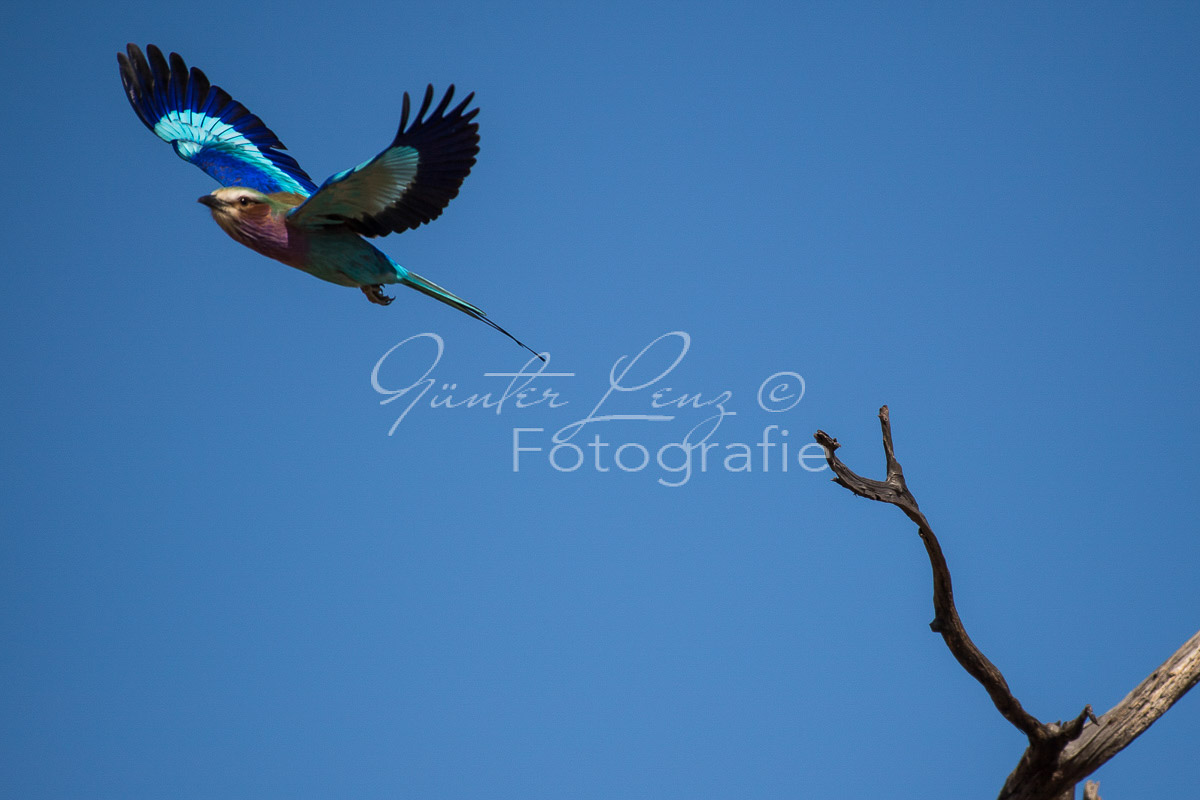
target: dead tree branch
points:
(1059, 754)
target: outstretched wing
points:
(206, 126)
(407, 184)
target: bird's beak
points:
(209, 201)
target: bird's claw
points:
(375, 294)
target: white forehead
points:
(230, 194)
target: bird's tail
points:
(449, 298)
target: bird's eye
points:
(245, 201)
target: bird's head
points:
(237, 201)
(238, 209)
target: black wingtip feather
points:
(179, 81)
(441, 107)
(404, 109)
(458, 110)
(424, 105)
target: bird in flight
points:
(271, 205)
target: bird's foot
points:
(375, 294)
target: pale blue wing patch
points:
(362, 192)
(221, 150)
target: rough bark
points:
(1059, 754)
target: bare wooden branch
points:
(1138, 711)
(1091, 790)
(1059, 754)
(1102, 739)
(946, 621)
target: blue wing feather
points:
(206, 126)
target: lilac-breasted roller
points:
(270, 204)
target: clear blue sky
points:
(221, 577)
